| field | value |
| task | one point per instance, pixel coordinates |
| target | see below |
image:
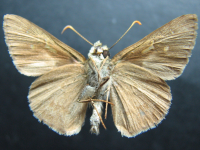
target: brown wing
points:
(165, 51)
(34, 50)
(53, 99)
(141, 99)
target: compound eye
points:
(106, 53)
(95, 51)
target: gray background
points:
(104, 20)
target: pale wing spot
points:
(39, 64)
(50, 49)
(166, 48)
(32, 46)
(141, 112)
(150, 47)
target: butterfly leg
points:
(93, 130)
(96, 118)
(107, 91)
(97, 111)
(94, 126)
(104, 61)
(95, 100)
(86, 96)
(93, 62)
(107, 96)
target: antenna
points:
(126, 32)
(70, 27)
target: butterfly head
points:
(99, 51)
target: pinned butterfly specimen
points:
(132, 82)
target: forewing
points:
(141, 100)
(34, 50)
(53, 99)
(165, 51)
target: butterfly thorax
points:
(98, 59)
(98, 70)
